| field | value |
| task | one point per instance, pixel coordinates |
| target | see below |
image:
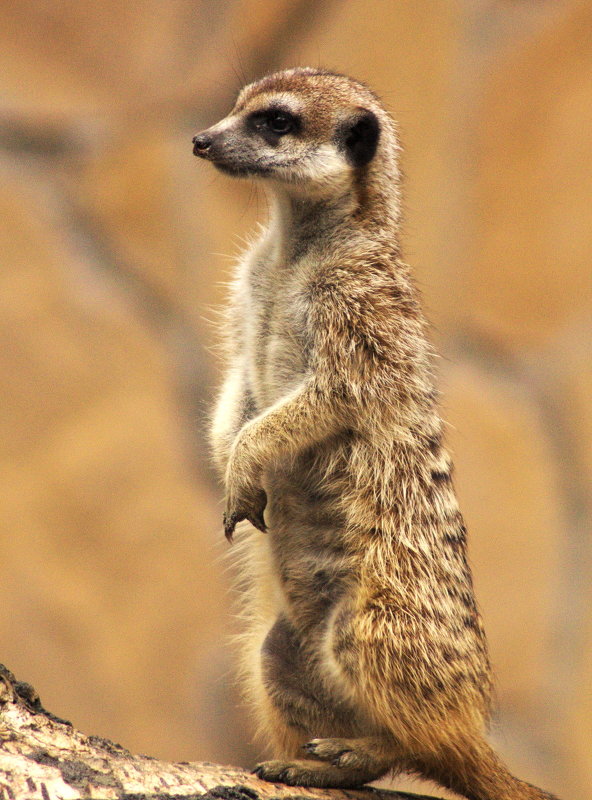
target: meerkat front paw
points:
(246, 505)
(245, 498)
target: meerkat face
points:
(301, 127)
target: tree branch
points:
(43, 757)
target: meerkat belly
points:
(313, 576)
(277, 345)
(314, 562)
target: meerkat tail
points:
(474, 770)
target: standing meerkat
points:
(363, 645)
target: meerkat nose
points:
(201, 144)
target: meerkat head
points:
(304, 128)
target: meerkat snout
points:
(201, 145)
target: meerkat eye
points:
(273, 121)
(279, 122)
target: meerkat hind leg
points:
(299, 703)
(296, 692)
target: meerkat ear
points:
(359, 136)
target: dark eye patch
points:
(273, 123)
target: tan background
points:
(113, 598)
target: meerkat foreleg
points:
(299, 420)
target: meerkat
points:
(363, 650)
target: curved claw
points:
(258, 522)
(230, 521)
(251, 510)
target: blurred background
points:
(114, 247)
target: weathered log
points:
(43, 757)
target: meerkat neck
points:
(300, 221)
(295, 212)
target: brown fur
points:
(363, 648)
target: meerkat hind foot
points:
(359, 754)
(313, 773)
